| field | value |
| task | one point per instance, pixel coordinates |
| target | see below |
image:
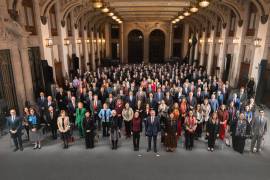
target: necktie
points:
(105, 115)
(152, 120)
(51, 115)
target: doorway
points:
(36, 70)
(7, 86)
(227, 67)
(156, 46)
(135, 46)
(243, 75)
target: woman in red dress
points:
(183, 110)
(223, 117)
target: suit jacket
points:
(98, 108)
(42, 104)
(192, 102)
(152, 129)
(158, 97)
(14, 125)
(52, 120)
(132, 102)
(259, 127)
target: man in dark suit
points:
(14, 124)
(51, 118)
(152, 102)
(72, 105)
(152, 128)
(42, 103)
(131, 100)
(159, 96)
(192, 102)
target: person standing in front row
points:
(104, 115)
(14, 124)
(80, 113)
(115, 131)
(259, 128)
(127, 115)
(89, 127)
(152, 128)
(136, 130)
(240, 133)
(212, 131)
(190, 127)
(64, 127)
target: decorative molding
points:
(224, 25)
(43, 20)
(264, 18)
(75, 26)
(240, 23)
(63, 23)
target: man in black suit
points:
(51, 118)
(152, 128)
(42, 103)
(152, 102)
(131, 100)
(14, 124)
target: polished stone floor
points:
(52, 162)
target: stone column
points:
(98, 47)
(27, 77)
(93, 59)
(108, 40)
(211, 51)
(196, 47)
(222, 51)
(121, 44)
(260, 52)
(85, 50)
(146, 48)
(185, 40)
(203, 43)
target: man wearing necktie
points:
(14, 124)
(259, 128)
(152, 128)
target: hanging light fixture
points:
(173, 22)
(177, 20)
(186, 13)
(105, 9)
(181, 17)
(97, 4)
(204, 3)
(194, 9)
(111, 14)
(114, 17)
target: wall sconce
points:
(220, 41)
(103, 40)
(87, 41)
(97, 4)
(78, 41)
(66, 42)
(210, 40)
(201, 41)
(257, 42)
(190, 40)
(49, 42)
(236, 41)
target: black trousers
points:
(128, 128)
(89, 139)
(27, 129)
(97, 119)
(199, 130)
(17, 139)
(189, 140)
(54, 132)
(150, 142)
(234, 142)
(105, 128)
(65, 137)
(211, 141)
(136, 140)
(240, 144)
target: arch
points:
(157, 46)
(135, 46)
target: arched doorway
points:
(135, 46)
(156, 46)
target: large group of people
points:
(179, 102)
